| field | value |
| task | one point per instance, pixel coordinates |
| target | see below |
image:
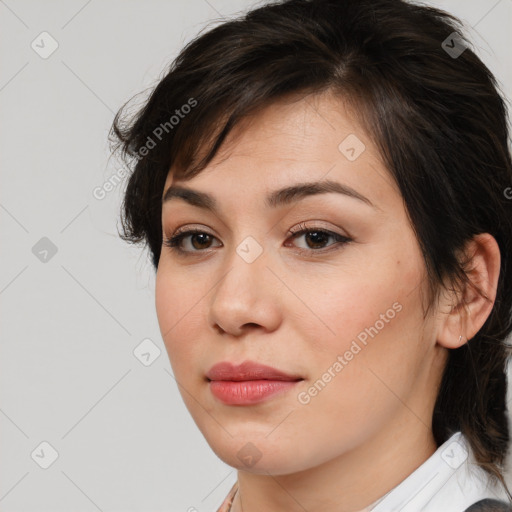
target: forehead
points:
(296, 139)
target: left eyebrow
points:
(276, 198)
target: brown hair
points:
(438, 119)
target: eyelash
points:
(174, 241)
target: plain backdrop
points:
(76, 301)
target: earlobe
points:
(472, 308)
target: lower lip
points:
(248, 391)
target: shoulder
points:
(489, 505)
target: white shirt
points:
(448, 481)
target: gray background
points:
(72, 320)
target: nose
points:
(245, 297)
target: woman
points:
(325, 189)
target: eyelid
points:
(190, 227)
(305, 226)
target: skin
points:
(369, 427)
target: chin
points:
(258, 454)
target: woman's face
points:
(343, 316)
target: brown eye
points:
(199, 240)
(316, 238)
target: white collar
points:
(449, 481)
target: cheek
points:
(359, 377)
(352, 307)
(362, 293)
(177, 308)
(372, 319)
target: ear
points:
(462, 313)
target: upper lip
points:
(248, 370)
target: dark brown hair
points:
(438, 119)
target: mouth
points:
(248, 383)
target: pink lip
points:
(248, 370)
(248, 383)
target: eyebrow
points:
(276, 198)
